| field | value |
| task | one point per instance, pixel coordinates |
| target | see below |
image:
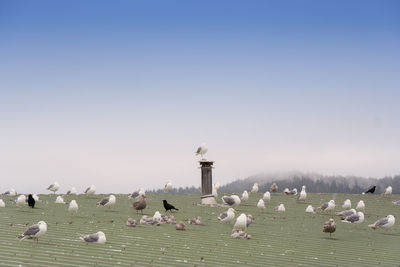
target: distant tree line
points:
(315, 183)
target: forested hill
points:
(315, 183)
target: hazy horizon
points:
(121, 94)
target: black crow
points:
(168, 206)
(31, 201)
(371, 190)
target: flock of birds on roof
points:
(240, 223)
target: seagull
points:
(35, 197)
(2, 204)
(250, 220)
(157, 216)
(245, 196)
(216, 186)
(371, 190)
(60, 200)
(131, 222)
(73, 206)
(227, 216)
(10, 192)
(386, 222)
(267, 196)
(290, 192)
(168, 207)
(388, 191)
(397, 203)
(232, 200)
(310, 209)
(180, 226)
(202, 150)
(346, 213)
(107, 201)
(274, 188)
(31, 201)
(53, 187)
(138, 193)
(140, 204)
(360, 205)
(98, 237)
(21, 200)
(303, 195)
(328, 206)
(241, 222)
(90, 190)
(329, 227)
(346, 204)
(168, 186)
(280, 208)
(240, 234)
(34, 231)
(261, 204)
(72, 191)
(215, 192)
(355, 218)
(254, 189)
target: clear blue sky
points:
(127, 90)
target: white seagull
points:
(98, 237)
(72, 191)
(168, 186)
(280, 208)
(310, 209)
(107, 201)
(346, 204)
(261, 204)
(53, 187)
(267, 196)
(2, 204)
(386, 222)
(21, 200)
(73, 206)
(34, 231)
(214, 192)
(227, 216)
(241, 222)
(11, 192)
(360, 205)
(245, 196)
(388, 191)
(254, 189)
(35, 197)
(60, 200)
(397, 203)
(157, 216)
(138, 193)
(328, 206)
(90, 190)
(232, 200)
(354, 218)
(202, 150)
(303, 195)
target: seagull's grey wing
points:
(381, 222)
(228, 200)
(91, 238)
(198, 150)
(223, 215)
(104, 201)
(68, 192)
(353, 218)
(50, 187)
(87, 189)
(324, 206)
(397, 202)
(32, 230)
(7, 193)
(135, 194)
